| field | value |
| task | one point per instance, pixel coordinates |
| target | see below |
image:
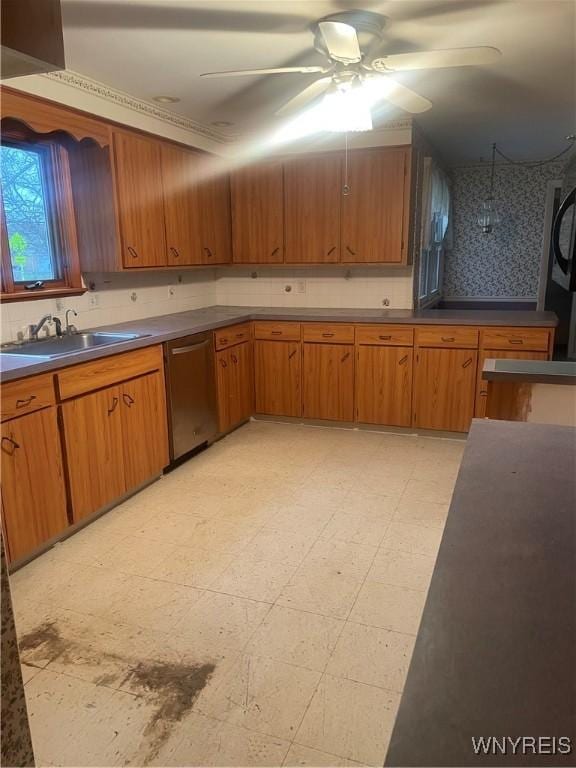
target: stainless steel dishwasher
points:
(190, 393)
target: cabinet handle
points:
(239, 335)
(114, 405)
(350, 251)
(467, 363)
(516, 341)
(275, 251)
(12, 443)
(327, 335)
(234, 358)
(346, 356)
(174, 252)
(447, 338)
(25, 402)
(291, 355)
(331, 251)
(483, 393)
(403, 361)
(128, 400)
(223, 363)
(276, 333)
(132, 251)
(208, 252)
(385, 338)
(223, 341)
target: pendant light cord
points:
(530, 163)
(492, 171)
(346, 188)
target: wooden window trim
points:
(63, 226)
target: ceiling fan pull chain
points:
(346, 188)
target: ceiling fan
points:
(349, 70)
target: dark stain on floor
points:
(173, 687)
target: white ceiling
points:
(525, 101)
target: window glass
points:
(27, 211)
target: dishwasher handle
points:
(189, 348)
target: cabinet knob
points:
(234, 359)
(291, 355)
(132, 251)
(9, 445)
(223, 363)
(113, 406)
(467, 363)
(346, 356)
(331, 251)
(208, 252)
(275, 251)
(403, 361)
(128, 400)
(26, 401)
(174, 252)
(350, 251)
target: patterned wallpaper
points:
(505, 263)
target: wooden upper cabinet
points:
(181, 206)
(215, 225)
(138, 175)
(258, 214)
(313, 194)
(375, 211)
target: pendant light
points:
(488, 215)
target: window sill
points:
(43, 293)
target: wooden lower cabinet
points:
(503, 394)
(94, 450)
(328, 381)
(384, 385)
(235, 384)
(144, 428)
(278, 377)
(116, 439)
(444, 388)
(33, 489)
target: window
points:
(435, 215)
(39, 249)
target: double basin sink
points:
(46, 349)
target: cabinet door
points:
(277, 370)
(313, 194)
(180, 169)
(215, 228)
(138, 176)
(502, 394)
(444, 387)
(384, 385)
(94, 450)
(258, 214)
(328, 382)
(242, 383)
(33, 490)
(223, 387)
(373, 210)
(144, 428)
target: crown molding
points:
(122, 99)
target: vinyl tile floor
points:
(256, 606)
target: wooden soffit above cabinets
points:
(44, 116)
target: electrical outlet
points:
(59, 305)
(93, 300)
(171, 291)
(301, 286)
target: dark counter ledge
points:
(167, 327)
(496, 649)
(530, 371)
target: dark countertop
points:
(167, 327)
(496, 649)
(530, 371)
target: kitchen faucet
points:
(70, 329)
(34, 330)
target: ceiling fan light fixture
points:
(346, 109)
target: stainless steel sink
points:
(66, 345)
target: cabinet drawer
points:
(234, 334)
(386, 335)
(457, 336)
(27, 395)
(269, 330)
(108, 370)
(532, 339)
(333, 333)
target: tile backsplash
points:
(118, 297)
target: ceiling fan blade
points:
(341, 41)
(314, 90)
(382, 87)
(273, 71)
(450, 57)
